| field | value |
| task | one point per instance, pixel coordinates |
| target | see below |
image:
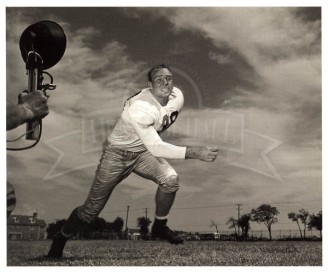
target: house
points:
(24, 227)
(209, 236)
(133, 234)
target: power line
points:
(203, 207)
(247, 204)
(117, 211)
(217, 206)
(287, 202)
(214, 206)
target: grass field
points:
(158, 253)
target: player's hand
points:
(203, 153)
(34, 103)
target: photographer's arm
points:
(16, 116)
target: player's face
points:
(162, 84)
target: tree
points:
(266, 214)
(244, 224)
(315, 222)
(303, 215)
(232, 224)
(143, 224)
(99, 224)
(89, 230)
(295, 217)
(118, 224)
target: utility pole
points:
(146, 213)
(126, 221)
(238, 208)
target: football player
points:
(135, 146)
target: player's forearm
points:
(166, 150)
(155, 145)
(192, 152)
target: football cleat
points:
(162, 231)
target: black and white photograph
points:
(163, 136)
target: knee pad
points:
(170, 184)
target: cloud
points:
(285, 53)
(281, 47)
(220, 58)
(259, 34)
(87, 78)
(92, 79)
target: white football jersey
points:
(141, 121)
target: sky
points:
(251, 78)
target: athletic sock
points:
(72, 225)
(57, 246)
(161, 217)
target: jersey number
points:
(167, 122)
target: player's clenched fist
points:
(203, 153)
